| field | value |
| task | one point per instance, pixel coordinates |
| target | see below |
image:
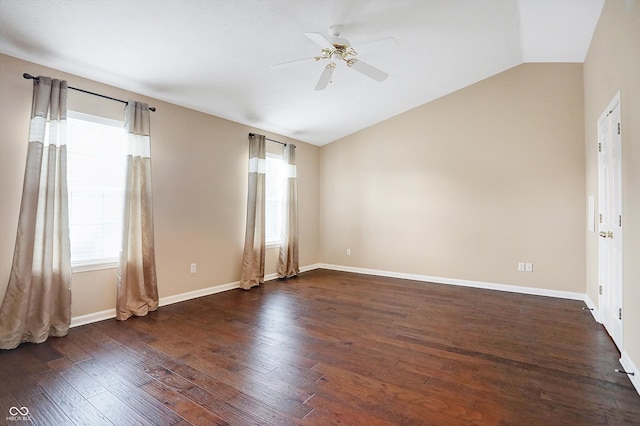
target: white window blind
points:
(95, 174)
(274, 182)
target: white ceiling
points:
(215, 55)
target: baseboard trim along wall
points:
(454, 281)
(111, 313)
(628, 365)
(92, 317)
(592, 308)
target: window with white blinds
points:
(274, 182)
(95, 174)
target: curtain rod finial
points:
(27, 76)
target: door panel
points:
(610, 222)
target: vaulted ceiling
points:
(215, 56)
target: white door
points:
(610, 221)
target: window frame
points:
(280, 157)
(96, 263)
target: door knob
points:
(603, 234)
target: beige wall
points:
(200, 178)
(612, 65)
(467, 186)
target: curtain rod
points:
(28, 76)
(273, 140)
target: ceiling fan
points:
(336, 50)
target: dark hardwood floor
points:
(329, 348)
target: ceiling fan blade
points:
(369, 70)
(320, 40)
(325, 78)
(382, 44)
(294, 62)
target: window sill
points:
(93, 265)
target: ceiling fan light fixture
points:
(339, 50)
(325, 53)
(346, 51)
(335, 49)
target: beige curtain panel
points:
(137, 292)
(288, 259)
(252, 273)
(37, 303)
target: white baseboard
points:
(270, 277)
(92, 317)
(307, 268)
(454, 281)
(169, 300)
(592, 307)
(628, 365)
(111, 313)
(310, 267)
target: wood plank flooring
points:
(329, 348)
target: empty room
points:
(315, 212)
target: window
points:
(95, 175)
(274, 183)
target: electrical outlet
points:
(528, 267)
(520, 266)
(193, 268)
(348, 252)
